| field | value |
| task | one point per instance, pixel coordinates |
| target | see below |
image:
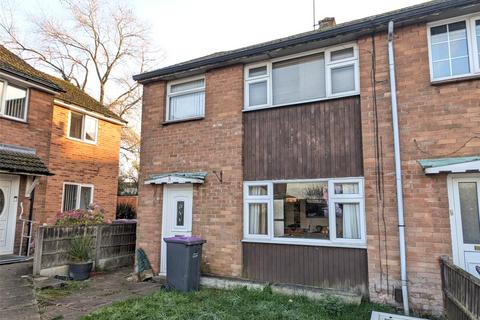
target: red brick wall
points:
(35, 133)
(79, 162)
(214, 143)
(441, 118)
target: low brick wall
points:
(114, 247)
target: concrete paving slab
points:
(17, 299)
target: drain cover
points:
(387, 316)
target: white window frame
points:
(3, 101)
(170, 94)
(77, 200)
(332, 199)
(473, 60)
(329, 65)
(83, 138)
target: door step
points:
(313, 293)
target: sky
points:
(186, 29)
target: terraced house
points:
(59, 151)
(346, 157)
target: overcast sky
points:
(186, 29)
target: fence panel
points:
(114, 246)
(461, 292)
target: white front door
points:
(8, 210)
(465, 221)
(177, 215)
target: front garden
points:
(239, 303)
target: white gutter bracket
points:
(398, 170)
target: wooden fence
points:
(114, 247)
(461, 292)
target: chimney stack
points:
(326, 23)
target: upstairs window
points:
(317, 75)
(13, 101)
(83, 127)
(454, 48)
(77, 196)
(185, 99)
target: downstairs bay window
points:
(312, 212)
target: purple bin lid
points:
(188, 241)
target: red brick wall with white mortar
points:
(211, 144)
(440, 118)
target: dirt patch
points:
(74, 299)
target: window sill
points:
(300, 242)
(13, 119)
(93, 143)
(169, 122)
(456, 79)
(292, 104)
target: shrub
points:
(81, 249)
(94, 214)
(126, 211)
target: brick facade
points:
(435, 120)
(211, 144)
(70, 161)
(35, 134)
(80, 162)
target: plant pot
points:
(80, 271)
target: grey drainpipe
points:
(398, 170)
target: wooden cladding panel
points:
(323, 267)
(317, 140)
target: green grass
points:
(212, 304)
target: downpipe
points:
(398, 170)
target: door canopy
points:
(177, 178)
(451, 165)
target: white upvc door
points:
(465, 221)
(177, 216)
(8, 208)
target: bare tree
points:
(97, 45)
(92, 44)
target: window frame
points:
(328, 66)
(332, 199)
(3, 101)
(83, 134)
(473, 60)
(77, 200)
(169, 94)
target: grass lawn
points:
(235, 304)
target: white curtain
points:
(187, 106)
(257, 213)
(351, 221)
(299, 79)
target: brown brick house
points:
(282, 155)
(59, 150)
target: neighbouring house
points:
(59, 151)
(282, 155)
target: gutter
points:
(398, 169)
(29, 82)
(378, 22)
(90, 113)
